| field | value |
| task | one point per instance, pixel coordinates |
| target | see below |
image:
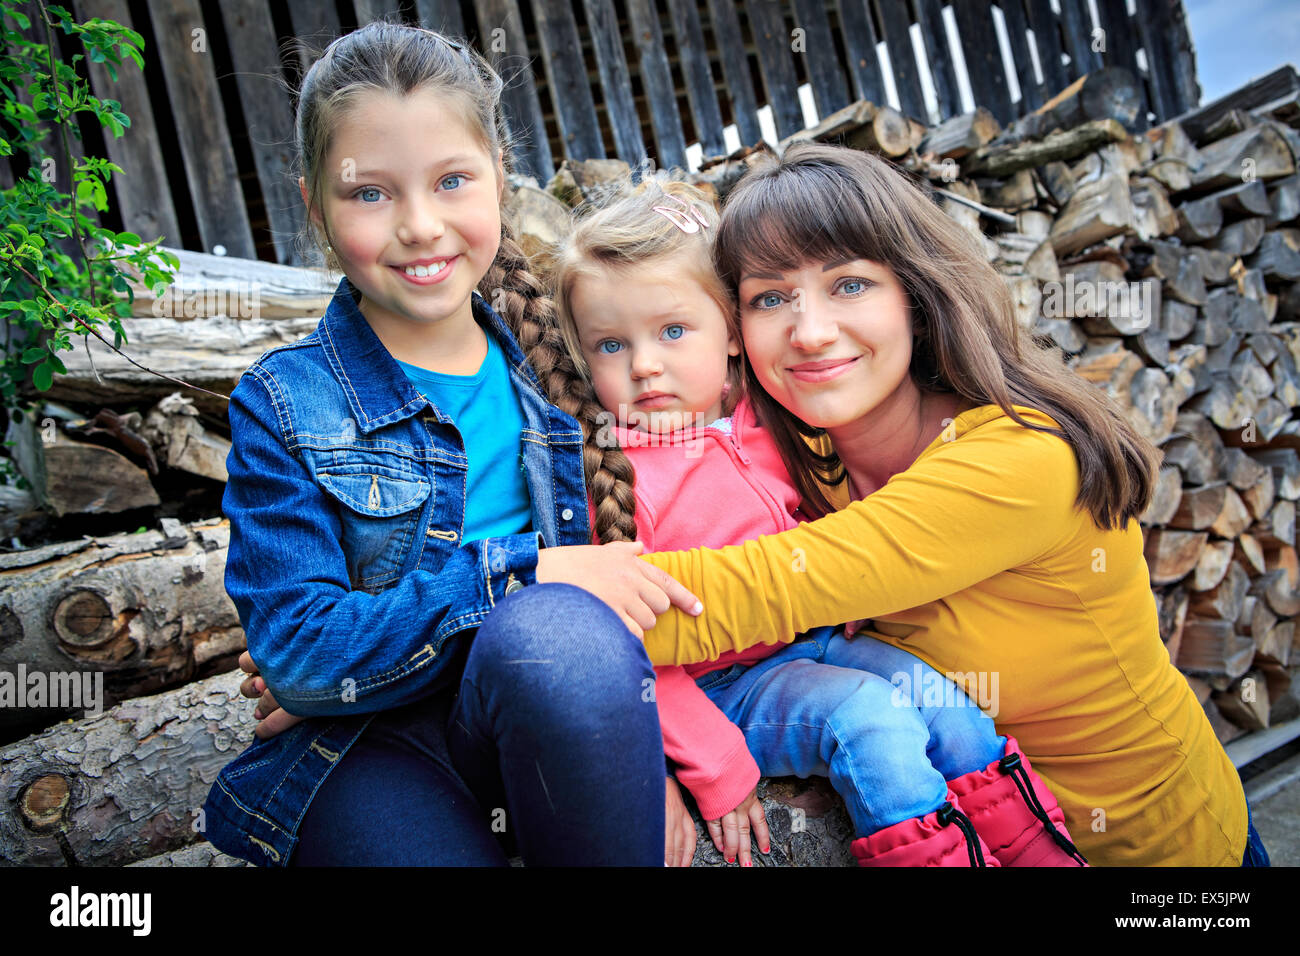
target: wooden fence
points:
(208, 156)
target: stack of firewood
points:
(1164, 264)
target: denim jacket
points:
(346, 501)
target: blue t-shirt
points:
(486, 412)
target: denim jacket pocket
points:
(380, 513)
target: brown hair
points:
(399, 59)
(631, 228)
(821, 202)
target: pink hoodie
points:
(707, 488)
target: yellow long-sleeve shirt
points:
(976, 560)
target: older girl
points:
(409, 550)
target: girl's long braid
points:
(530, 315)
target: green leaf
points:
(128, 239)
(34, 355)
(43, 377)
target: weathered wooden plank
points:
(830, 92)
(443, 16)
(1277, 85)
(1183, 62)
(735, 69)
(1076, 28)
(270, 118)
(1047, 39)
(934, 35)
(368, 11)
(1119, 37)
(314, 23)
(509, 55)
(772, 41)
(607, 40)
(895, 22)
(656, 77)
(859, 35)
(1031, 94)
(693, 59)
(143, 195)
(210, 169)
(1154, 28)
(979, 44)
(566, 72)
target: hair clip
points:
(686, 217)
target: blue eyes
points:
(859, 286)
(611, 346)
(375, 191)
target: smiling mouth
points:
(821, 371)
(425, 268)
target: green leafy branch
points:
(62, 274)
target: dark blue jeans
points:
(1256, 855)
(551, 745)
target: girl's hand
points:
(679, 836)
(731, 832)
(271, 717)
(636, 590)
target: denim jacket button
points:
(513, 585)
(567, 514)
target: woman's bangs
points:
(801, 215)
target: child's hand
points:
(679, 835)
(731, 832)
(636, 590)
(852, 627)
(271, 717)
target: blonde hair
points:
(399, 59)
(820, 203)
(638, 225)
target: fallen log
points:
(211, 353)
(146, 611)
(999, 161)
(207, 286)
(173, 429)
(1097, 211)
(123, 786)
(76, 477)
(956, 137)
(1261, 152)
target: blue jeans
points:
(1255, 855)
(551, 742)
(838, 708)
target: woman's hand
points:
(636, 590)
(272, 718)
(731, 832)
(679, 835)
